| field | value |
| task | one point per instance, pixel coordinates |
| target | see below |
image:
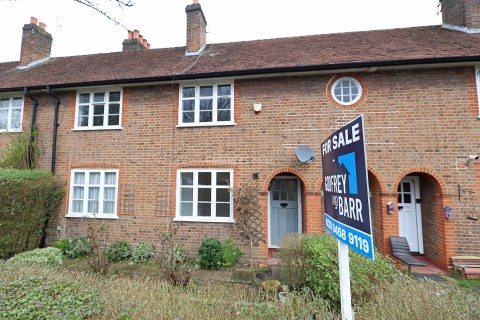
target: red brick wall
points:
(416, 121)
(464, 13)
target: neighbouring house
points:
(144, 137)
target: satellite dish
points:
(305, 154)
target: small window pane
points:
(79, 178)
(223, 103)
(224, 90)
(292, 196)
(83, 122)
(187, 194)
(204, 210)
(78, 193)
(223, 195)
(292, 185)
(407, 198)
(206, 104)
(98, 109)
(186, 178)
(205, 178)
(17, 102)
(188, 92)
(186, 209)
(109, 193)
(406, 187)
(223, 178)
(83, 110)
(114, 96)
(110, 178)
(188, 117)
(206, 116)
(93, 193)
(77, 206)
(99, 97)
(92, 206)
(223, 115)
(108, 206)
(114, 108)
(3, 119)
(15, 123)
(400, 198)
(4, 103)
(188, 105)
(204, 194)
(98, 121)
(84, 98)
(113, 120)
(223, 210)
(206, 91)
(283, 196)
(94, 178)
(276, 195)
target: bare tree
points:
(99, 8)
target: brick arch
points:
(374, 172)
(425, 170)
(283, 170)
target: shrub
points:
(49, 257)
(317, 264)
(119, 251)
(21, 153)
(210, 254)
(28, 199)
(231, 253)
(78, 247)
(62, 245)
(172, 258)
(142, 252)
(97, 258)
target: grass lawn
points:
(66, 293)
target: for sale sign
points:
(346, 194)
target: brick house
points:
(145, 136)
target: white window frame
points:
(195, 186)
(338, 81)
(477, 77)
(86, 184)
(197, 97)
(90, 125)
(10, 111)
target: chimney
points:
(135, 42)
(461, 15)
(196, 29)
(36, 43)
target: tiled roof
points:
(431, 44)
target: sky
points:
(78, 30)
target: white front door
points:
(410, 213)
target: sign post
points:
(346, 200)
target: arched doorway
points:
(284, 207)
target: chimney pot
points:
(42, 25)
(136, 34)
(196, 29)
(130, 35)
(33, 20)
(140, 38)
(195, 1)
(145, 42)
(148, 45)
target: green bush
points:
(231, 253)
(28, 199)
(142, 252)
(49, 257)
(317, 266)
(45, 297)
(78, 247)
(210, 254)
(119, 251)
(62, 245)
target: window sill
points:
(207, 124)
(188, 219)
(97, 129)
(91, 216)
(10, 131)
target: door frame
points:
(299, 197)
(418, 211)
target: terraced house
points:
(144, 137)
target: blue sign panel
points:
(345, 188)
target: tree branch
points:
(95, 6)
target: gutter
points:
(264, 71)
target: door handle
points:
(283, 205)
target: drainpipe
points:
(32, 126)
(55, 125)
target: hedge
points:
(28, 199)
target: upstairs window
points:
(93, 193)
(99, 110)
(11, 114)
(205, 195)
(346, 91)
(206, 105)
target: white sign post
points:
(346, 200)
